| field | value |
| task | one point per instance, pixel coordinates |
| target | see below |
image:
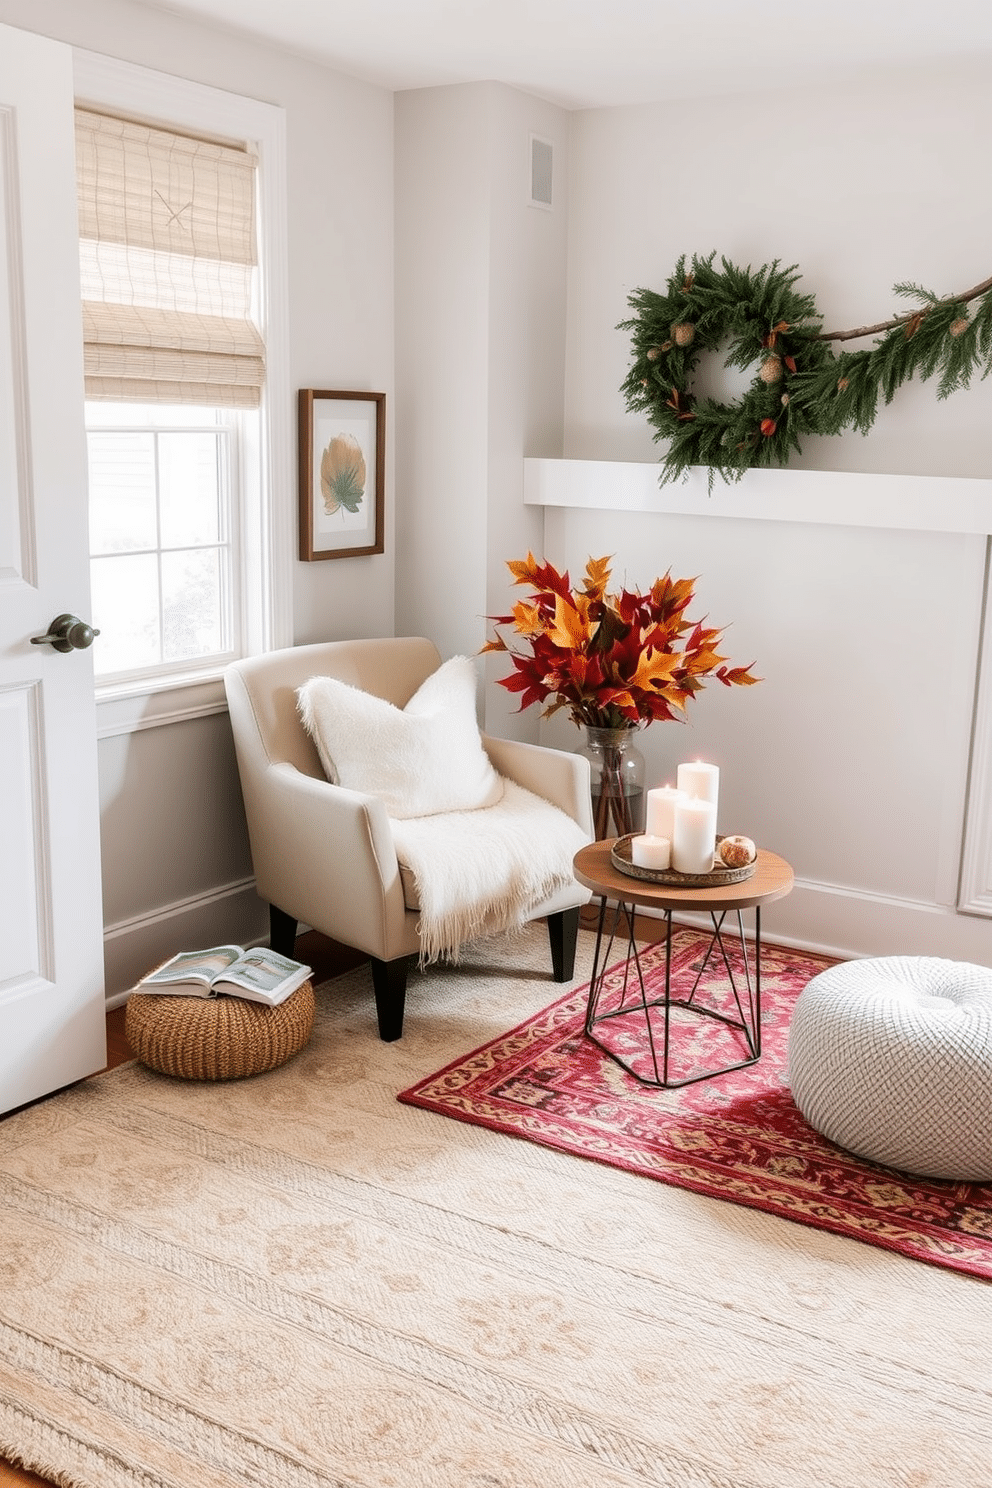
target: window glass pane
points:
(188, 489)
(163, 498)
(122, 492)
(192, 615)
(125, 611)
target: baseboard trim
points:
(231, 913)
(835, 920)
(827, 919)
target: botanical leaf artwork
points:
(342, 474)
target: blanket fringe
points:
(483, 873)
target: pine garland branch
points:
(889, 325)
(802, 386)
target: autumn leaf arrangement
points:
(617, 660)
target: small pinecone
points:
(959, 326)
(785, 400)
(683, 333)
(653, 353)
(771, 370)
(842, 383)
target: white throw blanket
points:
(480, 873)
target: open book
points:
(260, 974)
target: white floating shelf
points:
(924, 503)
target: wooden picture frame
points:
(342, 474)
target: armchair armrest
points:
(560, 777)
(326, 855)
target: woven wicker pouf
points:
(217, 1038)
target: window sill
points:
(127, 707)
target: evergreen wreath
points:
(802, 386)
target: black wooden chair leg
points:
(563, 932)
(389, 985)
(282, 931)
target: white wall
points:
(168, 787)
(480, 355)
(442, 354)
(861, 187)
(526, 357)
(850, 758)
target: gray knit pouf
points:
(891, 1058)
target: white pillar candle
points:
(694, 840)
(700, 781)
(660, 811)
(649, 851)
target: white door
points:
(52, 1017)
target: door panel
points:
(52, 1017)
(24, 949)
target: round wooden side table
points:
(709, 1010)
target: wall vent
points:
(541, 170)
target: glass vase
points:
(617, 767)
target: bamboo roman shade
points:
(167, 249)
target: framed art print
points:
(342, 450)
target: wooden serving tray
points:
(621, 860)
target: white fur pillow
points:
(419, 760)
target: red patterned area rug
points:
(738, 1136)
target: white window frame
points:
(269, 504)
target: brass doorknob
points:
(67, 633)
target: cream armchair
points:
(324, 855)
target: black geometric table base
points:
(643, 1033)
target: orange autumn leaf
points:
(522, 569)
(654, 668)
(527, 619)
(571, 629)
(597, 577)
(737, 676)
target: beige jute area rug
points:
(296, 1281)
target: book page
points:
(264, 970)
(195, 966)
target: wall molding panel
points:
(975, 896)
(888, 669)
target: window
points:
(164, 536)
(167, 256)
(188, 419)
